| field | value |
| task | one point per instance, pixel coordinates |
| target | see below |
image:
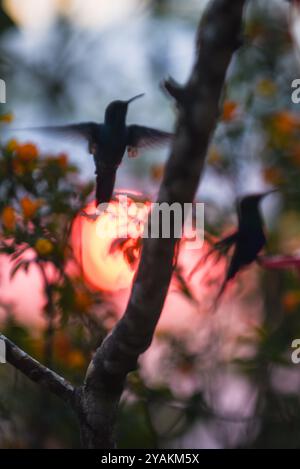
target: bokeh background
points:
(212, 379)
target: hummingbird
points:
(249, 238)
(247, 241)
(108, 141)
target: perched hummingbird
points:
(108, 141)
(249, 238)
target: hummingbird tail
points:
(105, 183)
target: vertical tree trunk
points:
(219, 35)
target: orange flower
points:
(19, 168)
(63, 160)
(7, 118)
(229, 111)
(62, 346)
(266, 88)
(43, 247)
(8, 217)
(285, 122)
(214, 155)
(157, 171)
(76, 359)
(65, 353)
(29, 207)
(27, 152)
(273, 175)
(291, 301)
(12, 145)
(83, 301)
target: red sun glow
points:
(104, 266)
(108, 248)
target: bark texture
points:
(96, 402)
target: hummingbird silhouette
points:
(247, 241)
(108, 141)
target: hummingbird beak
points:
(269, 192)
(265, 194)
(135, 97)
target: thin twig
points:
(37, 372)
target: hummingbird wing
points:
(146, 137)
(86, 130)
(221, 248)
(246, 251)
(225, 244)
(234, 267)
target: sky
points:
(89, 13)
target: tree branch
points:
(198, 103)
(37, 372)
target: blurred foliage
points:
(5, 21)
(40, 195)
(184, 405)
